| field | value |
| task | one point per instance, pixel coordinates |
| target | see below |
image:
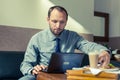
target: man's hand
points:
(38, 68)
(104, 58)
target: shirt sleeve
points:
(87, 46)
(30, 57)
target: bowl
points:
(117, 57)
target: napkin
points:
(95, 71)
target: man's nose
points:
(58, 25)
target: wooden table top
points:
(51, 76)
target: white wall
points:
(113, 8)
(33, 13)
(24, 13)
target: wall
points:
(33, 13)
(113, 8)
(23, 13)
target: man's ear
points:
(48, 19)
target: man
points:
(45, 41)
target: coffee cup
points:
(93, 59)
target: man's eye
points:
(54, 21)
(62, 22)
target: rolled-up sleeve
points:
(87, 46)
(30, 57)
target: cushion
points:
(10, 64)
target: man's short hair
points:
(59, 8)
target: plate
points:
(110, 70)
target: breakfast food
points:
(109, 66)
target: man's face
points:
(57, 21)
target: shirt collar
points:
(51, 36)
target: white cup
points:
(93, 59)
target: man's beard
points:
(56, 33)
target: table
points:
(51, 76)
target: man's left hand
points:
(104, 58)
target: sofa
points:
(10, 65)
(13, 42)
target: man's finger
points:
(34, 72)
(43, 67)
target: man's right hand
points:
(38, 68)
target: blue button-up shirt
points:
(43, 44)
